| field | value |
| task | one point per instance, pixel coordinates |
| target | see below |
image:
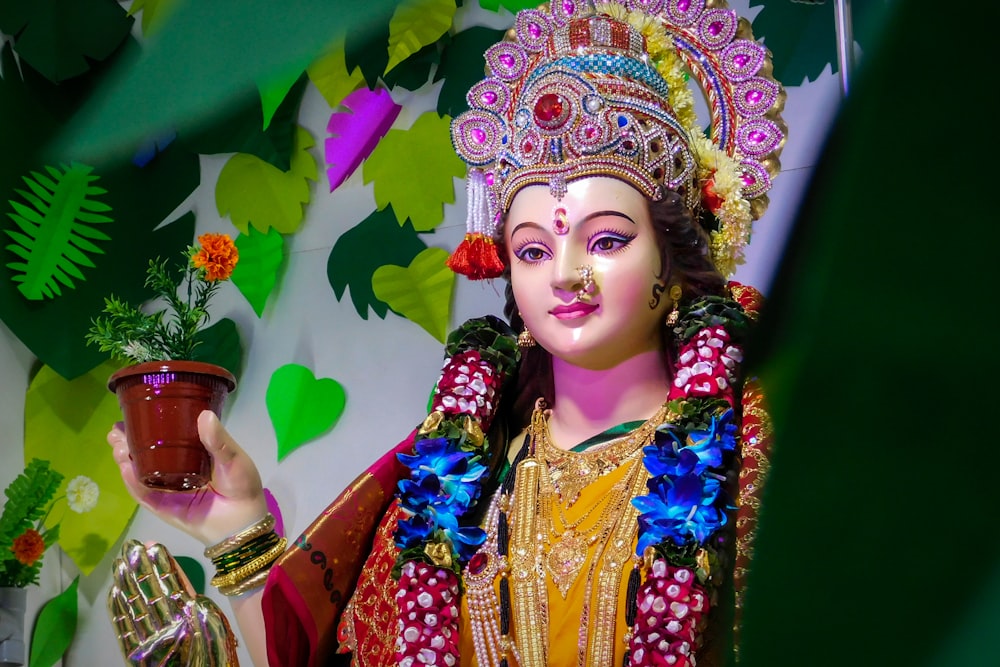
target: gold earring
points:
(525, 339)
(675, 313)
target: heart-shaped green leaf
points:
(194, 571)
(301, 407)
(420, 292)
(256, 273)
(55, 627)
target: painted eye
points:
(607, 242)
(531, 253)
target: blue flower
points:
(465, 540)
(412, 532)
(682, 510)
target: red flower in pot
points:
(164, 389)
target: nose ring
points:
(587, 284)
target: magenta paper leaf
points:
(354, 133)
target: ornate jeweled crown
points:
(579, 90)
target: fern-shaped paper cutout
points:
(28, 497)
(57, 229)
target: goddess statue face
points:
(592, 317)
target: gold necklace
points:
(571, 472)
(610, 537)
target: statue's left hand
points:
(158, 618)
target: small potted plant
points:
(163, 390)
(24, 537)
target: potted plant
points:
(163, 390)
(24, 538)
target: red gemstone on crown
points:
(549, 108)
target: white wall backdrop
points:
(387, 366)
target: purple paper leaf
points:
(354, 133)
(272, 507)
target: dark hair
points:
(686, 260)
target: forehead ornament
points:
(560, 222)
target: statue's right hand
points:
(232, 501)
(159, 619)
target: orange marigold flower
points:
(28, 547)
(218, 256)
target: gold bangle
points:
(253, 567)
(264, 525)
(254, 581)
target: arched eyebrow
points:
(601, 214)
(529, 223)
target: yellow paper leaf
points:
(65, 422)
(414, 170)
(330, 76)
(421, 292)
(252, 192)
(415, 24)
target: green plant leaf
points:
(261, 256)
(378, 239)
(415, 24)
(66, 421)
(301, 406)
(330, 75)
(60, 40)
(194, 571)
(28, 497)
(253, 192)
(424, 149)
(462, 65)
(420, 292)
(220, 344)
(55, 628)
(55, 229)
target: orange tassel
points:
(477, 258)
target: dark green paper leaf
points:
(59, 38)
(55, 628)
(369, 50)
(242, 131)
(194, 571)
(462, 65)
(803, 37)
(377, 240)
(220, 344)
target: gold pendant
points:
(565, 560)
(572, 479)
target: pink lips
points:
(573, 310)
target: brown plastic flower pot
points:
(160, 403)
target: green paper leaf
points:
(252, 130)
(302, 407)
(154, 13)
(194, 571)
(420, 292)
(56, 230)
(253, 192)
(368, 50)
(415, 71)
(513, 6)
(376, 240)
(415, 24)
(802, 37)
(59, 38)
(207, 57)
(55, 628)
(424, 149)
(274, 91)
(261, 256)
(331, 77)
(220, 344)
(66, 423)
(462, 65)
